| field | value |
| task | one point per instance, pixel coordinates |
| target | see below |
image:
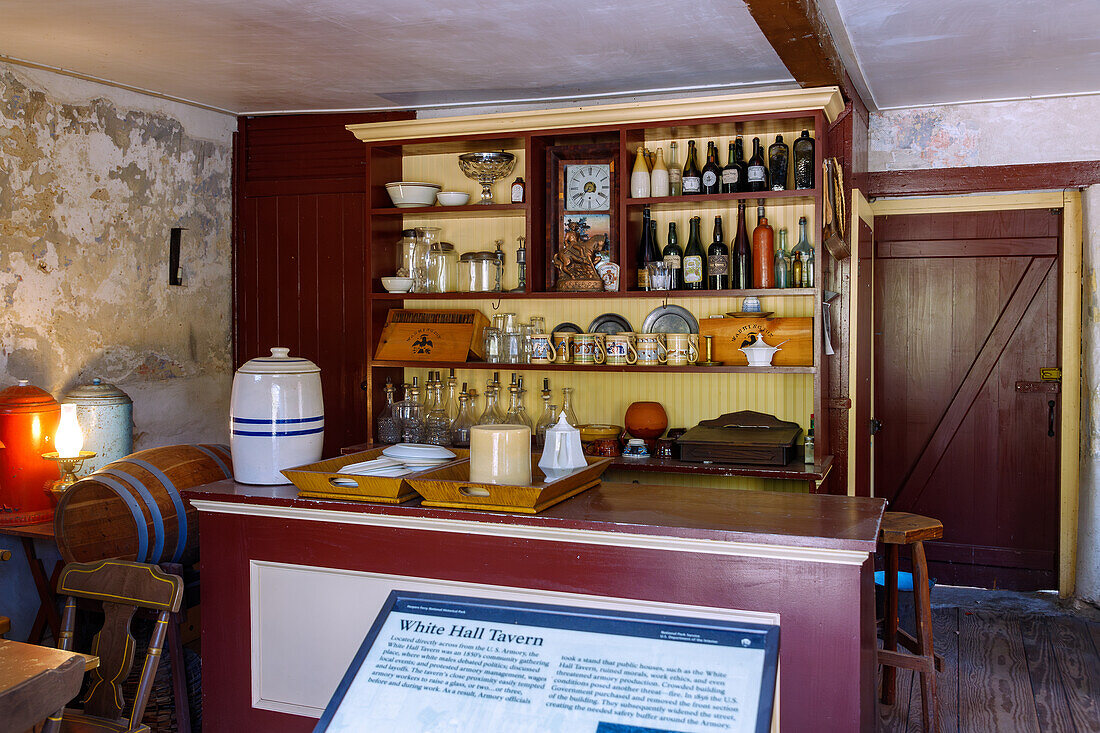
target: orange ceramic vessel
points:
(28, 422)
(646, 420)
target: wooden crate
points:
(315, 479)
(432, 335)
(731, 333)
(450, 486)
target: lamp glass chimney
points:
(70, 438)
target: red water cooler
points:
(28, 422)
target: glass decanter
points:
(437, 426)
(517, 415)
(498, 408)
(460, 429)
(451, 405)
(387, 428)
(490, 416)
(549, 413)
(567, 407)
(410, 415)
(429, 393)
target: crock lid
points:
(97, 393)
(25, 397)
(280, 362)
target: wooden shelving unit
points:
(425, 150)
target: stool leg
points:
(924, 638)
(890, 624)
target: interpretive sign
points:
(451, 663)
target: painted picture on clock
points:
(592, 226)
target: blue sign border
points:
(712, 632)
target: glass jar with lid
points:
(406, 253)
(427, 241)
(443, 268)
(479, 272)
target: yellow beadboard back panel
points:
(471, 234)
(442, 168)
(781, 214)
(766, 130)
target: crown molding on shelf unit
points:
(510, 123)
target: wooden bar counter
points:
(291, 585)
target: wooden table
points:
(291, 584)
(47, 607)
(37, 681)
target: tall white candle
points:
(500, 454)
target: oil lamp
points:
(69, 456)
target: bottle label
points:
(692, 184)
(674, 175)
(756, 173)
(729, 176)
(693, 269)
(643, 278)
(718, 264)
(709, 178)
(517, 194)
(673, 261)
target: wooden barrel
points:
(132, 509)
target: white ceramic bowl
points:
(412, 193)
(452, 198)
(397, 284)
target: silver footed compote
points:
(486, 168)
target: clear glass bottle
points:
(460, 428)
(490, 416)
(782, 262)
(806, 252)
(674, 172)
(517, 413)
(451, 405)
(437, 426)
(387, 429)
(567, 407)
(427, 241)
(549, 414)
(411, 415)
(429, 393)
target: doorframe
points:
(863, 210)
(1069, 202)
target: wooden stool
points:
(900, 528)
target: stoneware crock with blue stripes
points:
(276, 417)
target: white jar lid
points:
(280, 362)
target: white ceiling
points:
(914, 52)
(247, 56)
(265, 55)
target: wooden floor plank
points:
(1046, 681)
(994, 688)
(895, 718)
(1079, 668)
(945, 639)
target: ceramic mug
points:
(586, 349)
(563, 346)
(651, 351)
(681, 352)
(694, 339)
(619, 350)
(540, 348)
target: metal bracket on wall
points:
(175, 273)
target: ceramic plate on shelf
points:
(567, 327)
(609, 323)
(670, 319)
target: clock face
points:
(588, 187)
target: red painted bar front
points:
(806, 557)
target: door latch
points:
(876, 425)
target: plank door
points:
(966, 315)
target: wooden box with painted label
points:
(432, 335)
(730, 334)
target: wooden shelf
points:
(632, 368)
(723, 200)
(664, 294)
(796, 470)
(452, 211)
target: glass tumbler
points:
(493, 344)
(513, 348)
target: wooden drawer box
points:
(432, 335)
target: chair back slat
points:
(121, 581)
(114, 645)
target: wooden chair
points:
(122, 587)
(901, 528)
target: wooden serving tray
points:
(450, 486)
(315, 479)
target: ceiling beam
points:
(983, 179)
(796, 29)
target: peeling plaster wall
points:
(92, 179)
(1002, 133)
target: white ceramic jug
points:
(563, 453)
(277, 417)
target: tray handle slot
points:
(473, 491)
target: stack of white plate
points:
(398, 460)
